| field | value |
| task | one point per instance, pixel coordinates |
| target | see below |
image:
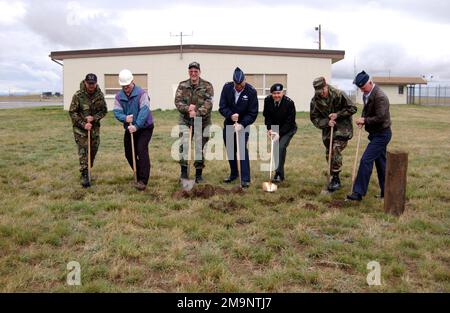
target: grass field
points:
(293, 240)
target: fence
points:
(429, 95)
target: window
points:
(263, 82)
(112, 83)
(400, 90)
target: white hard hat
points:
(125, 77)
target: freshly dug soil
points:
(205, 192)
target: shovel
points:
(356, 160)
(188, 184)
(133, 155)
(238, 155)
(330, 149)
(89, 155)
(269, 186)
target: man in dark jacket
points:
(87, 108)
(376, 119)
(279, 117)
(239, 106)
(132, 108)
(331, 107)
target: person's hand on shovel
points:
(132, 129)
(332, 117)
(89, 119)
(235, 117)
(129, 118)
(360, 122)
(88, 126)
(274, 136)
(238, 127)
(332, 123)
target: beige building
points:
(159, 69)
(399, 90)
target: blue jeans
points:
(374, 153)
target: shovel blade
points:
(187, 184)
(269, 187)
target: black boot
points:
(184, 172)
(198, 175)
(335, 183)
(85, 179)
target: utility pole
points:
(320, 36)
(181, 35)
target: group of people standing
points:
(331, 111)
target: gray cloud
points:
(50, 25)
(65, 25)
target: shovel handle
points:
(238, 155)
(356, 159)
(271, 160)
(133, 155)
(330, 149)
(89, 155)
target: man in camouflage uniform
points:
(331, 107)
(88, 107)
(193, 99)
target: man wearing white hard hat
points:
(132, 108)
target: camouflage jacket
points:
(83, 105)
(201, 95)
(336, 102)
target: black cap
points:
(276, 87)
(194, 65)
(361, 79)
(91, 78)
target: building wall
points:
(165, 71)
(393, 95)
(391, 92)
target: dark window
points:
(400, 90)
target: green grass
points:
(293, 240)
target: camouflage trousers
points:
(336, 153)
(82, 143)
(198, 143)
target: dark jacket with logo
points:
(283, 115)
(246, 106)
(376, 111)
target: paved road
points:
(25, 104)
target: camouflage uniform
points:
(83, 105)
(336, 102)
(202, 96)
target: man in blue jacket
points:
(239, 106)
(132, 108)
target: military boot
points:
(85, 179)
(184, 172)
(198, 175)
(335, 183)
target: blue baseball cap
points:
(361, 79)
(238, 76)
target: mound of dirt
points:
(311, 207)
(336, 204)
(226, 206)
(205, 192)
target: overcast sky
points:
(386, 37)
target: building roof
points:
(398, 80)
(334, 55)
